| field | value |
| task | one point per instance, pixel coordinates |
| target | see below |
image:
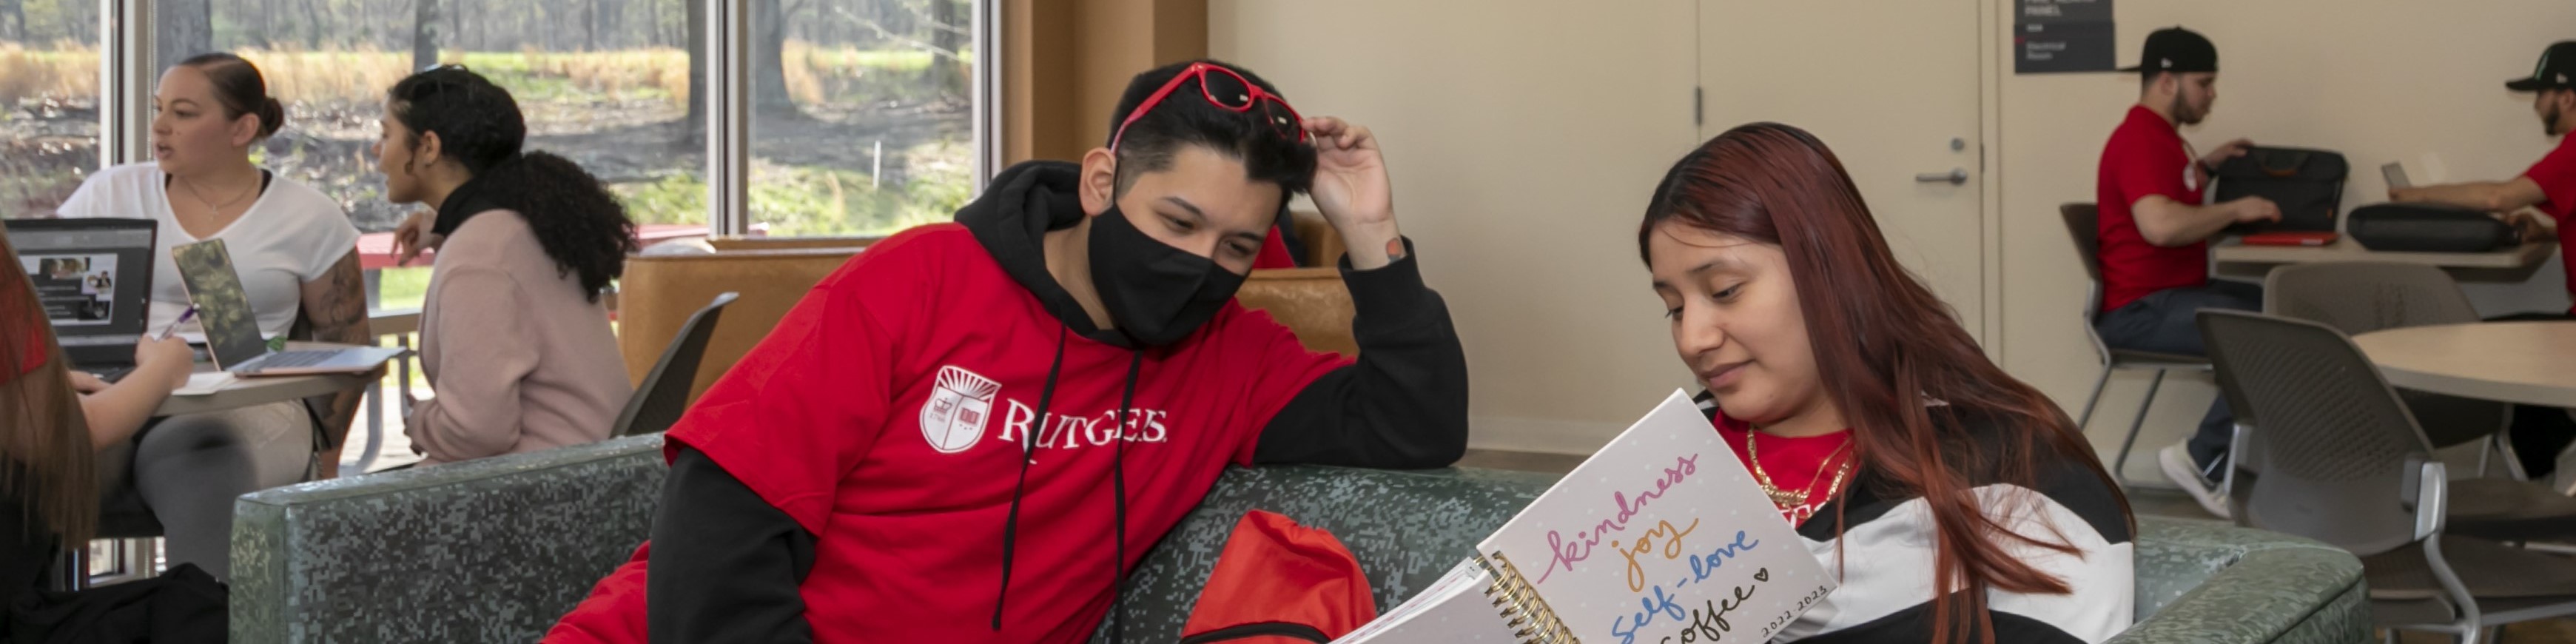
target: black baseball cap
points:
(2177, 50)
(2557, 70)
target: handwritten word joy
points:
(1646, 545)
(1563, 552)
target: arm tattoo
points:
(335, 310)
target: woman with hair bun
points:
(297, 255)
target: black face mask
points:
(1156, 294)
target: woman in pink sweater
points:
(514, 336)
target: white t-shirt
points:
(292, 234)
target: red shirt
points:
(886, 415)
(1274, 253)
(2556, 174)
(1799, 463)
(29, 325)
(2144, 157)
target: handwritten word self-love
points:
(1565, 552)
(1661, 603)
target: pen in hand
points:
(184, 316)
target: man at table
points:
(2539, 433)
(2155, 233)
(2549, 185)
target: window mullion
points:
(728, 116)
(125, 82)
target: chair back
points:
(2341, 454)
(2083, 222)
(1312, 302)
(659, 294)
(664, 395)
(2361, 297)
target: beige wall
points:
(2380, 80)
(1525, 135)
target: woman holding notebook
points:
(514, 336)
(1871, 419)
(296, 254)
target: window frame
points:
(127, 52)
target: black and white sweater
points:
(1884, 555)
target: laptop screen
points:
(93, 276)
(2396, 175)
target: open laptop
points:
(232, 329)
(94, 278)
(2395, 172)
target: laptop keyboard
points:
(294, 359)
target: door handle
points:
(1956, 177)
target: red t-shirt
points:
(1274, 253)
(28, 325)
(885, 414)
(2556, 174)
(2144, 157)
(1803, 463)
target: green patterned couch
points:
(495, 550)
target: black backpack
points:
(2432, 228)
(2306, 184)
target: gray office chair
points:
(2344, 463)
(664, 394)
(2361, 297)
(2082, 225)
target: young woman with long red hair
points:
(1956, 503)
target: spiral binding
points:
(1522, 609)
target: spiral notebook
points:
(1662, 536)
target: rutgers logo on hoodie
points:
(961, 403)
(954, 415)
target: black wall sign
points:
(2052, 36)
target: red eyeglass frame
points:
(1253, 96)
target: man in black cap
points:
(2154, 234)
(2549, 185)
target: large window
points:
(49, 72)
(862, 114)
(605, 83)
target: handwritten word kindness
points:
(1565, 552)
(1664, 604)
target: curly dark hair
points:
(577, 220)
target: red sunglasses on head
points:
(1290, 126)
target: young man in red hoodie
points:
(971, 431)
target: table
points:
(250, 392)
(2532, 363)
(2235, 258)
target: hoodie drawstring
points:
(1028, 454)
(1118, 555)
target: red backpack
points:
(1280, 583)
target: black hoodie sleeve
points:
(725, 565)
(1403, 404)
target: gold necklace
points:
(211, 207)
(1791, 498)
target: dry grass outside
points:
(355, 76)
(814, 75)
(68, 71)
